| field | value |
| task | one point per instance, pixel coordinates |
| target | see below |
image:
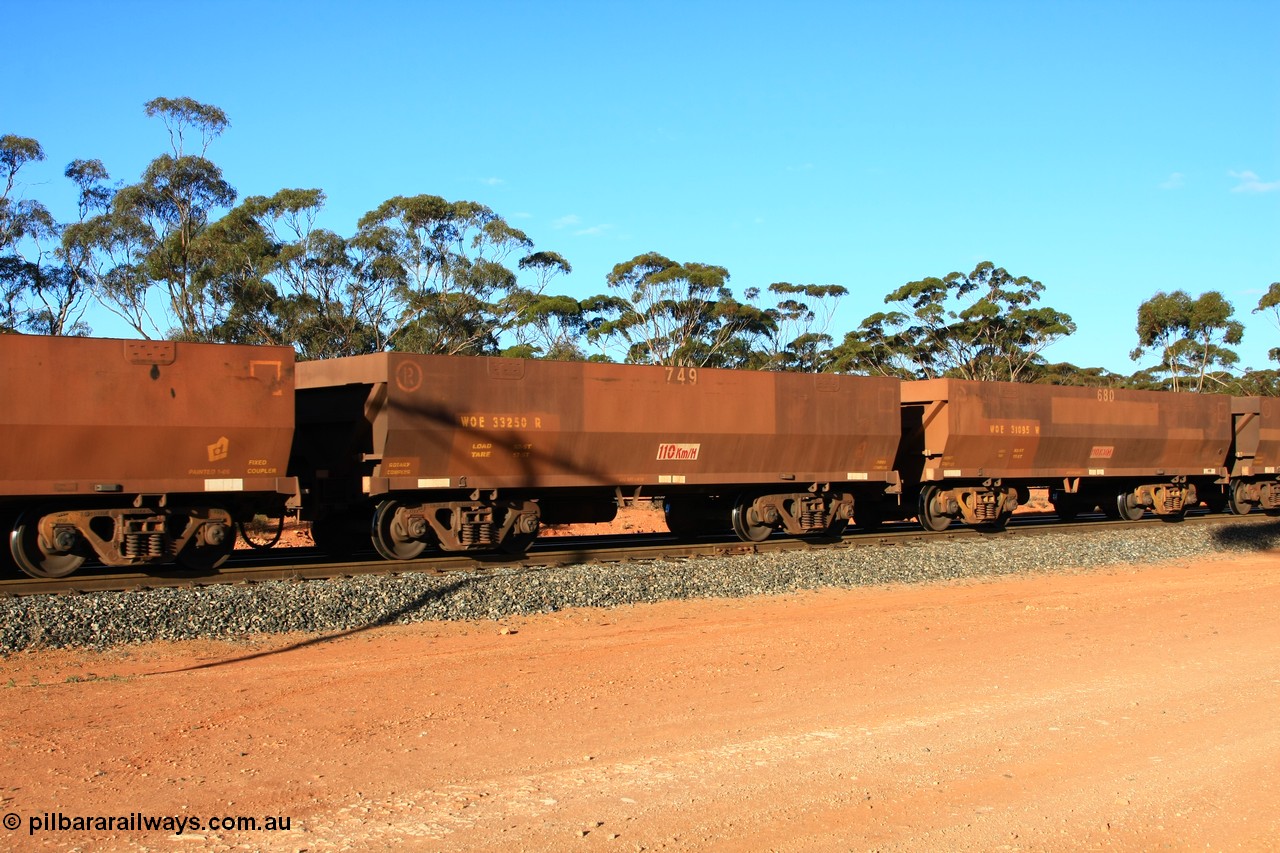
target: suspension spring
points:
(986, 508)
(476, 534)
(143, 545)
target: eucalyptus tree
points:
(978, 325)
(317, 303)
(1190, 337)
(798, 340)
(234, 262)
(1270, 304)
(437, 275)
(679, 314)
(1066, 373)
(22, 221)
(546, 325)
(40, 293)
(150, 236)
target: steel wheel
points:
(33, 557)
(1239, 505)
(1126, 508)
(928, 517)
(747, 529)
(390, 539)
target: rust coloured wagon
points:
(976, 448)
(1255, 454)
(138, 452)
(478, 453)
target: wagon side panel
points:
(100, 416)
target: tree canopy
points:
(978, 325)
(1189, 336)
(177, 253)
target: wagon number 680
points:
(1106, 395)
(683, 375)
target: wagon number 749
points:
(683, 375)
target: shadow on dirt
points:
(1248, 535)
(388, 618)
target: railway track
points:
(297, 564)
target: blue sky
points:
(1108, 149)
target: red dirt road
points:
(1130, 709)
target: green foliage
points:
(184, 115)
(797, 338)
(1270, 304)
(319, 305)
(173, 254)
(1189, 335)
(436, 276)
(1257, 383)
(39, 292)
(1065, 373)
(153, 233)
(980, 325)
(678, 314)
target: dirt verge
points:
(1124, 709)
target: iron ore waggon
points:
(478, 453)
(971, 450)
(1255, 454)
(138, 452)
(147, 452)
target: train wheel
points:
(746, 528)
(33, 557)
(930, 518)
(1126, 508)
(208, 549)
(1238, 501)
(390, 539)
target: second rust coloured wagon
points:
(478, 453)
(976, 448)
(1255, 454)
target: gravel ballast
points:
(102, 620)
